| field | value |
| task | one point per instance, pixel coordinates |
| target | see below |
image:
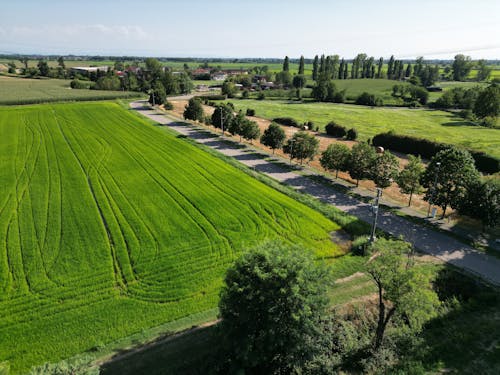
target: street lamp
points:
(431, 198)
(375, 208)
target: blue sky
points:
(258, 28)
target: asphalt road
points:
(427, 240)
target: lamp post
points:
(292, 141)
(375, 216)
(431, 198)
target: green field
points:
(435, 125)
(29, 91)
(110, 226)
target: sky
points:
(252, 28)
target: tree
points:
(390, 67)
(462, 65)
(302, 146)
(483, 71)
(335, 158)
(222, 116)
(402, 290)
(301, 65)
(284, 78)
(60, 62)
(235, 127)
(228, 88)
(299, 82)
(482, 202)
(12, 67)
(157, 96)
(24, 61)
(271, 304)
(43, 67)
(153, 68)
(273, 137)
(488, 102)
(286, 64)
(448, 176)
(361, 161)
(315, 68)
(194, 110)
(384, 169)
(250, 130)
(409, 178)
(379, 67)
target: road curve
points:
(438, 244)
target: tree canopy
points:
(273, 137)
(302, 146)
(335, 158)
(271, 304)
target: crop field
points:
(29, 91)
(109, 226)
(435, 125)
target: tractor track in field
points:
(427, 240)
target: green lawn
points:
(435, 125)
(110, 226)
(29, 91)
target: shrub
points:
(245, 94)
(168, 105)
(369, 99)
(214, 97)
(261, 96)
(250, 112)
(287, 121)
(352, 134)
(335, 130)
(339, 97)
(427, 149)
(76, 84)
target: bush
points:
(427, 149)
(250, 112)
(245, 94)
(309, 125)
(352, 134)
(167, 105)
(335, 130)
(339, 97)
(76, 84)
(261, 96)
(369, 99)
(287, 121)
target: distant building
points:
(201, 87)
(89, 69)
(219, 76)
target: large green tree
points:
(361, 161)
(384, 169)
(43, 67)
(222, 116)
(194, 110)
(271, 305)
(286, 64)
(448, 176)
(301, 65)
(315, 68)
(487, 103)
(250, 130)
(483, 71)
(302, 146)
(336, 158)
(403, 290)
(409, 178)
(462, 65)
(273, 137)
(299, 82)
(482, 202)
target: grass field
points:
(30, 91)
(436, 125)
(109, 226)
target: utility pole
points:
(431, 198)
(375, 214)
(291, 149)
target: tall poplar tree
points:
(379, 67)
(390, 67)
(301, 65)
(315, 68)
(286, 64)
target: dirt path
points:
(425, 239)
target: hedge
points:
(427, 149)
(287, 121)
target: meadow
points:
(15, 90)
(432, 124)
(110, 226)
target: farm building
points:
(89, 69)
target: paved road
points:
(424, 239)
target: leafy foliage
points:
(302, 146)
(361, 161)
(336, 157)
(409, 178)
(273, 137)
(271, 305)
(194, 110)
(384, 169)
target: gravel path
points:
(423, 238)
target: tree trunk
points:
(357, 183)
(273, 150)
(411, 194)
(337, 174)
(444, 211)
(381, 318)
